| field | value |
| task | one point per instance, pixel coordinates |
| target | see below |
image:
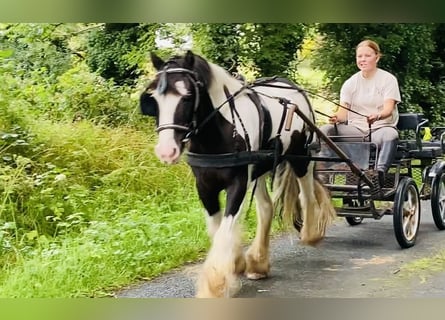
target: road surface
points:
(363, 261)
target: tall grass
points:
(100, 211)
(86, 208)
(108, 253)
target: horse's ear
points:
(189, 59)
(158, 63)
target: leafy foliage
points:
(117, 50)
(220, 43)
(38, 48)
(83, 95)
(269, 48)
(273, 46)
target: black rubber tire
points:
(406, 213)
(438, 200)
(353, 221)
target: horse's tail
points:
(286, 196)
(325, 215)
(310, 211)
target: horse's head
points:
(173, 98)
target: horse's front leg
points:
(225, 261)
(210, 200)
(257, 256)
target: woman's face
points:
(366, 58)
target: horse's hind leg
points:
(257, 256)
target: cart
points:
(348, 171)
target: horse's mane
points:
(208, 73)
(202, 68)
(213, 73)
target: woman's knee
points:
(390, 134)
(327, 129)
(386, 134)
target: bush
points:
(82, 95)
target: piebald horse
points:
(226, 125)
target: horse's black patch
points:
(259, 169)
(298, 147)
(148, 105)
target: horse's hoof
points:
(212, 285)
(255, 275)
(311, 242)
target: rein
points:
(264, 82)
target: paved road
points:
(359, 261)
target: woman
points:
(369, 99)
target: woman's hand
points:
(373, 118)
(334, 119)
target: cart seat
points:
(411, 144)
(427, 153)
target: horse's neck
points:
(217, 135)
(221, 78)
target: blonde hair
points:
(372, 44)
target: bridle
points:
(162, 87)
(194, 127)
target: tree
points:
(272, 46)
(38, 48)
(435, 100)
(268, 47)
(118, 50)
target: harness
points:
(241, 157)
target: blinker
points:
(162, 84)
(148, 105)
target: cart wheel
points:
(353, 221)
(406, 215)
(438, 200)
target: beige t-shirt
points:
(367, 96)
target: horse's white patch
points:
(182, 89)
(213, 223)
(219, 269)
(167, 149)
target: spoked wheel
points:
(406, 215)
(353, 221)
(438, 200)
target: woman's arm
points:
(341, 115)
(388, 108)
